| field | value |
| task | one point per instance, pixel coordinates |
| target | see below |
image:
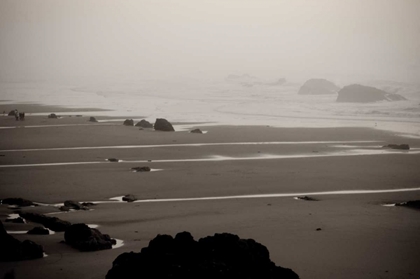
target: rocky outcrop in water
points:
(129, 198)
(141, 169)
(357, 93)
(14, 250)
(83, 238)
(397, 146)
(52, 223)
(220, 256)
(318, 87)
(196, 131)
(92, 119)
(113, 160)
(162, 124)
(306, 198)
(128, 122)
(73, 205)
(144, 124)
(17, 201)
(53, 116)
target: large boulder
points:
(144, 124)
(14, 250)
(318, 87)
(220, 256)
(357, 93)
(83, 238)
(52, 223)
(128, 122)
(162, 124)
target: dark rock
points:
(92, 119)
(129, 122)
(114, 160)
(144, 124)
(162, 124)
(18, 220)
(196, 131)
(88, 204)
(12, 113)
(357, 93)
(129, 198)
(220, 256)
(75, 205)
(53, 223)
(14, 250)
(53, 115)
(17, 201)
(306, 198)
(318, 229)
(141, 169)
(39, 231)
(397, 146)
(83, 238)
(412, 204)
(318, 87)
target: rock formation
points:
(357, 93)
(129, 122)
(53, 223)
(162, 124)
(144, 124)
(53, 115)
(141, 169)
(129, 198)
(83, 238)
(14, 250)
(220, 256)
(318, 87)
(196, 131)
(39, 231)
(92, 119)
(17, 201)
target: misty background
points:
(338, 39)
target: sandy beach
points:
(52, 160)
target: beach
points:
(237, 179)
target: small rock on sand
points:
(196, 131)
(144, 124)
(141, 169)
(129, 122)
(162, 124)
(53, 116)
(92, 119)
(114, 160)
(129, 198)
(397, 146)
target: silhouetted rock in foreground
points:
(412, 204)
(17, 201)
(129, 122)
(144, 124)
(162, 124)
(357, 93)
(318, 87)
(53, 223)
(397, 146)
(220, 256)
(83, 238)
(14, 250)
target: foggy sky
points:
(210, 38)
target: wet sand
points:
(359, 238)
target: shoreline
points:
(219, 192)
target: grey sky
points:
(49, 38)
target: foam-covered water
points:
(221, 102)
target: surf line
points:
(186, 145)
(281, 195)
(361, 152)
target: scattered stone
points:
(129, 198)
(397, 146)
(412, 204)
(220, 256)
(39, 231)
(318, 87)
(14, 250)
(83, 238)
(306, 198)
(92, 119)
(162, 124)
(357, 93)
(144, 124)
(17, 201)
(196, 131)
(18, 220)
(114, 160)
(129, 122)
(318, 229)
(53, 116)
(141, 169)
(52, 223)
(73, 205)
